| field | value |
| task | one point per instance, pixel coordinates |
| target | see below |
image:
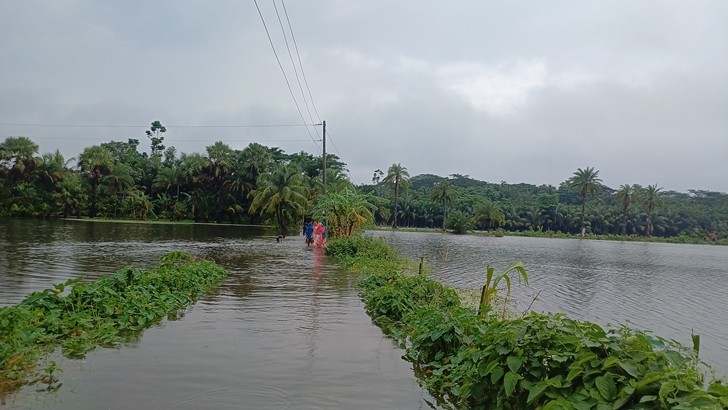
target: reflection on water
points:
(667, 288)
(285, 330)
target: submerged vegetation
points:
(99, 313)
(534, 361)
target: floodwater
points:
(286, 330)
(670, 289)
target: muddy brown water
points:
(286, 330)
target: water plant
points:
(91, 314)
(538, 361)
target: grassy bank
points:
(78, 317)
(539, 361)
(684, 239)
(160, 222)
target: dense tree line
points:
(261, 184)
(116, 180)
(461, 203)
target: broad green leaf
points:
(486, 370)
(648, 398)
(514, 363)
(496, 375)
(630, 367)
(553, 404)
(536, 392)
(509, 382)
(718, 389)
(604, 406)
(607, 387)
(573, 373)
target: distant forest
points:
(261, 184)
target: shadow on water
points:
(667, 288)
(285, 330)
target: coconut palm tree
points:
(53, 167)
(279, 192)
(397, 178)
(489, 214)
(95, 162)
(651, 200)
(445, 192)
(585, 181)
(627, 195)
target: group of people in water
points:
(315, 233)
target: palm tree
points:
(585, 181)
(279, 192)
(53, 167)
(445, 192)
(489, 214)
(119, 180)
(651, 200)
(95, 161)
(397, 177)
(627, 195)
(17, 154)
(167, 178)
(337, 180)
(69, 195)
(459, 222)
(221, 164)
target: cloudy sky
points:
(521, 91)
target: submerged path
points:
(286, 330)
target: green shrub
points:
(540, 361)
(99, 313)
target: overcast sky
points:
(521, 91)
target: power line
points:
(283, 71)
(299, 61)
(178, 140)
(147, 126)
(293, 63)
(332, 141)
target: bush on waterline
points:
(541, 361)
(98, 313)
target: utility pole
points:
(324, 123)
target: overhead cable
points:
(283, 71)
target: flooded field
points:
(667, 288)
(286, 330)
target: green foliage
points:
(539, 361)
(490, 289)
(100, 313)
(345, 211)
(459, 222)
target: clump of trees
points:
(580, 203)
(115, 180)
(260, 184)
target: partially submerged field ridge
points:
(538, 361)
(100, 313)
